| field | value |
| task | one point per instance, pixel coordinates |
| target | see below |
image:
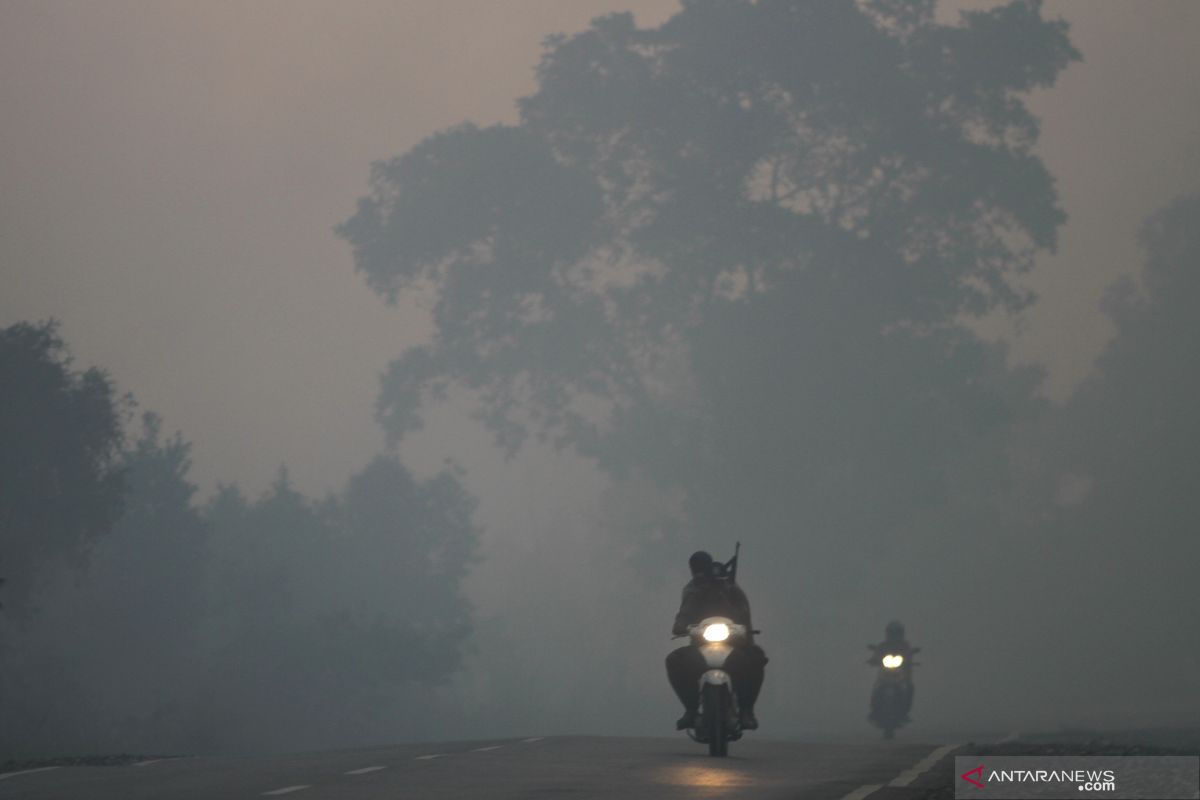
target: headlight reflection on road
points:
(712, 781)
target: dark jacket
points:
(705, 597)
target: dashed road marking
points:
(862, 791)
(431, 755)
(1012, 737)
(910, 775)
(906, 777)
(285, 790)
(533, 739)
(485, 749)
(363, 771)
(7, 775)
(148, 762)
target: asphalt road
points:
(566, 767)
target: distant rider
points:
(709, 594)
(894, 643)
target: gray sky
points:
(172, 173)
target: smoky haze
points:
(868, 396)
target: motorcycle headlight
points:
(892, 661)
(717, 632)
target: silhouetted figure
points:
(895, 644)
(710, 594)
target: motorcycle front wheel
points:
(715, 713)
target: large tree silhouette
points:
(733, 255)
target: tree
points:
(740, 244)
(735, 257)
(411, 545)
(60, 445)
(209, 629)
(113, 662)
(1124, 448)
(357, 597)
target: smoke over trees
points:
(1124, 451)
(736, 257)
(703, 241)
(60, 441)
(159, 625)
(732, 269)
(355, 597)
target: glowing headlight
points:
(892, 662)
(717, 632)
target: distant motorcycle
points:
(717, 723)
(891, 696)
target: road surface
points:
(554, 767)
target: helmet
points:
(894, 631)
(701, 563)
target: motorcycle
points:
(891, 696)
(717, 723)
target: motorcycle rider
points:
(710, 594)
(894, 643)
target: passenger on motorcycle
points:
(712, 594)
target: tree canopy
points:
(733, 254)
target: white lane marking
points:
(431, 755)
(148, 762)
(910, 775)
(533, 739)
(485, 749)
(363, 771)
(1012, 737)
(8, 775)
(862, 791)
(906, 777)
(285, 790)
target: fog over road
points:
(468, 322)
(577, 767)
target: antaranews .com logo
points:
(1090, 780)
(1053, 777)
